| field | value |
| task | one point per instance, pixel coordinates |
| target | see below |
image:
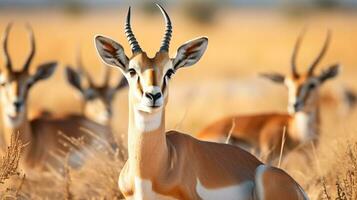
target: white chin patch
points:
(14, 121)
(148, 103)
(291, 110)
(147, 121)
(102, 118)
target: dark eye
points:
(169, 73)
(90, 94)
(132, 72)
(3, 83)
(312, 86)
(29, 83)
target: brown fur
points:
(171, 163)
(263, 132)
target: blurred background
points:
(246, 37)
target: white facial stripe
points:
(143, 190)
(133, 64)
(168, 66)
(292, 95)
(147, 122)
(2, 79)
(241, 191)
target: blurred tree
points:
(201, 11)
(73, 7)
(326, 3)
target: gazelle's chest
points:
(143, 190)
(136, 188)
(304, 127)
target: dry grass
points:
(9, 164)
(340, 179)
(242, 43)
(10, 160)
(97, 178)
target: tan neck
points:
(147, 145)
(22, 127)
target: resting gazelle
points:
(97, 98)
(41, 134)
(172, 165)
(263, 133)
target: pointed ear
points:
(190, 52)
(122, 83)
(44, 71)
(111, 52)
(275, 77)
(73, 78)
(329, 73)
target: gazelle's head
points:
(98, 98)
(303, 87)
(148, 77)
(15, 85)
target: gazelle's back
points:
(246, 129)
(52, 134)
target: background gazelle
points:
(41, 133)
(264, 132)
(97, 98)
(174, 165)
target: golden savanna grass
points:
(242, 43)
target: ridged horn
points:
(135, 48)
(165, 44)
(81, 69)
(32, 47)
(295, 53)
(8, 63)
(321, 54)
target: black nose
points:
(296, 105)
(110, 113)
(153, 97)
(18, 105)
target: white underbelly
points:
(242, 191)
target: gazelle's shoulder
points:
(196, 145)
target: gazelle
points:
(172, 165)
(263, 132)
(98, 98)
(41, 133)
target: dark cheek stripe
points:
(163, 85)
(140, 88)
(308, 92)
(298, 92)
